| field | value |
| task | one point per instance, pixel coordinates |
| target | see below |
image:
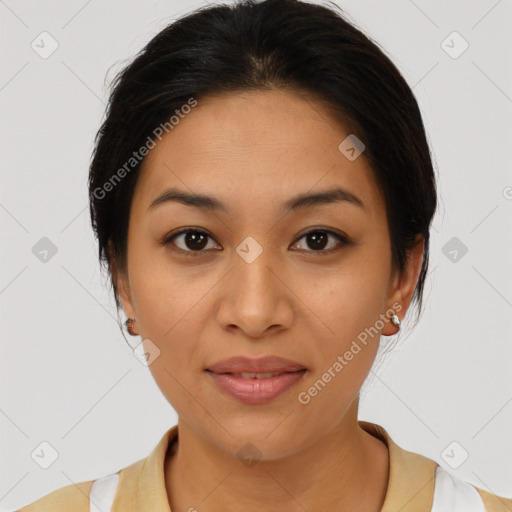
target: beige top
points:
(141, 486)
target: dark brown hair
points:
(249, 45)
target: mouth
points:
(253, 388)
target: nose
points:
(255, 298)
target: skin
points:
(253, 151)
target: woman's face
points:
(256, 283)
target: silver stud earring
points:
(396, 321)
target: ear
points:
(402, 285)
(122, 284)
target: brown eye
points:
(190, 240)
(318, 240)
(196, 241)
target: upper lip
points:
(265, 364)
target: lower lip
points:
(256, 391)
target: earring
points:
(396, 321)
(129, 325)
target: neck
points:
(345, 469)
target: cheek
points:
(164, 293)
(347, 305)
(170, 304)
(349, 309)
(350, 296)
(172, 324)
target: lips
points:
(263, 365)
(256, 391)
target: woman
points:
(262, 192)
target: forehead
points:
(255, 146)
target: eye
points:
(192, 240)
(317, 239)
(195, 240)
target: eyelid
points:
(340, 236)
(168, 239)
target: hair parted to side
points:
(291, 45)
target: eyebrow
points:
(299, 202)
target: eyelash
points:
(342, 238)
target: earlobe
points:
(404, 285)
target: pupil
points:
(195, 240)
(319, 240)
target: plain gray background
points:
(68, 377)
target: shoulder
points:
(452, 493)
(97, 495)
(418, 483)
(142, 480)
(73, 497)
(494, 502)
